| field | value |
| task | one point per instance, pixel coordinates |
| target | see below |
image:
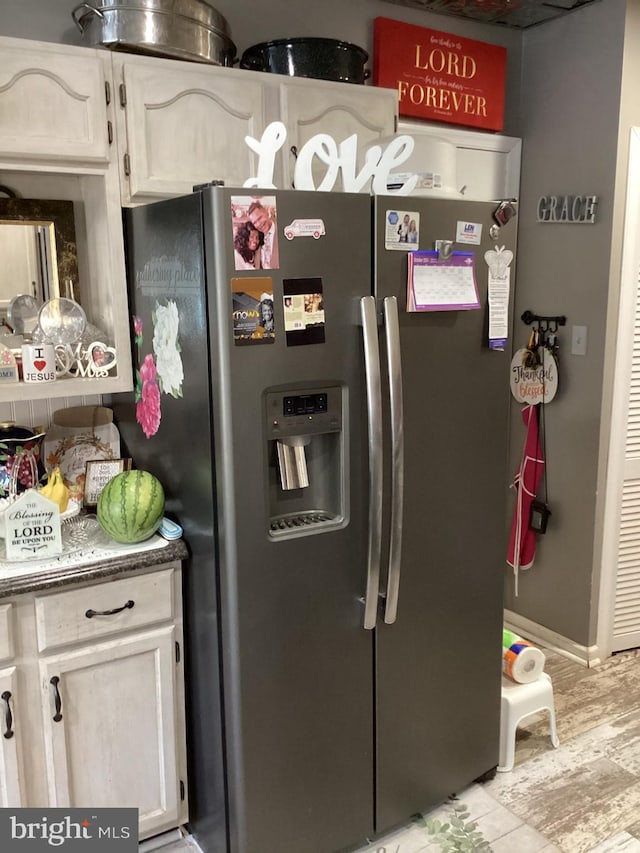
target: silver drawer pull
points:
(91, 613)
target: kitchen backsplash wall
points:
(33, 413)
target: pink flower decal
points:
(148, 370)
(137, 330)
(148, 412)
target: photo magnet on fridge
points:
(253, 317)
(303, 311)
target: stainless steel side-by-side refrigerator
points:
(338, 466)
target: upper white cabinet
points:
(53, 103)
(181, 124)
(470, 164)
(57, 141)
(308, 107)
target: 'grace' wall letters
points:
(576, 209)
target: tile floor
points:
(494, 828)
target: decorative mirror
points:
(39, 253)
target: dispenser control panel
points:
(304, 412)
(304, 404)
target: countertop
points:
(96, 564)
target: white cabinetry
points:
(11, 777)
(103, 675)
(57, 142)
(469, 164)
(181, 124)
(52, 103)
(11, 736)
(308, 107)
(105, 129)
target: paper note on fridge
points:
(435, 284)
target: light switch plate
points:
(578, 340)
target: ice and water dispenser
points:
(307, 460)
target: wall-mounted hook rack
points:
(544, 321)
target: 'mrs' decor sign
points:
(440, 76)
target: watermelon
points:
(131, 506)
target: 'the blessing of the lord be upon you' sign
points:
(32, 527)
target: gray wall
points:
(253, 21)
(563, 99)
(571, 96)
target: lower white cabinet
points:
(109, 732)
(11, 774)
(97, 694)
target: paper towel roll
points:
(521, 661)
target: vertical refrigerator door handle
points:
(374, 417)
(394, 366)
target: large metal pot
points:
(326, 59)
(180, 29)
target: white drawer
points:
(6, 631)
(84, 614)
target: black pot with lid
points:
(321, 58)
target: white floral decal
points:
(167, 348)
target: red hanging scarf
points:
(522, 541)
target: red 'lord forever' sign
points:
(440, 76)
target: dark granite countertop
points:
(35, 580)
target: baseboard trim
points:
(589, 656)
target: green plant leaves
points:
(458, 834)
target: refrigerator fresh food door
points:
(289, 407)
(438, 665)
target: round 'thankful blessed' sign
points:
(534, 384)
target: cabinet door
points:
(309, 107)
(184, 124)
(52, 103)
(110, 727)
(11, 778)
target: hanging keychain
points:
(531, 356)
(552, 342)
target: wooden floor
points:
(585, 795)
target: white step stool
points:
(520, 701)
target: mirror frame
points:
(57, 214)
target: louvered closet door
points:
(626, 620)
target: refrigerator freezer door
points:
(165, 260)
(438, 665)
(296, 661)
